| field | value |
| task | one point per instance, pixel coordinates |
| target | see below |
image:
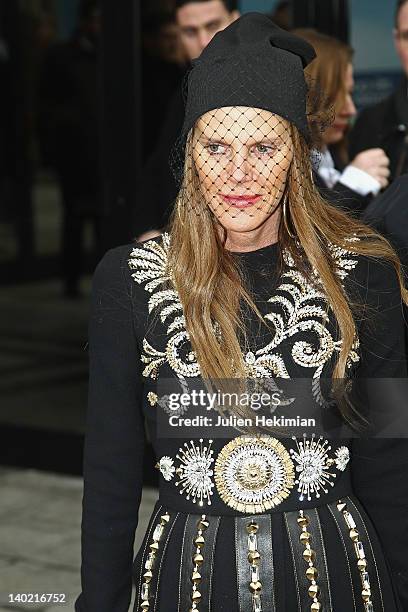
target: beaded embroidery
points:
(297, 306)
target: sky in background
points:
(371, 26)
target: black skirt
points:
(326, 558)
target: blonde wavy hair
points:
(211, 286)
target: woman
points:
(259, 279)
(350, 184)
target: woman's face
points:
(344, 111)
(242, 156)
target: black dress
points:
(341, 545)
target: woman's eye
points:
(215, 149)
(264, 149)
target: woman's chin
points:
(242, 221)
(333, 137)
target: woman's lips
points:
(340, 126)
(241, 201)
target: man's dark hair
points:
(400, 4)
(230, 5)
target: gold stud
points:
(148, 576)
(196, 596)
(304, 537)
(154, 546)
(203, 524)
(302, 521)
(309, 554)
(255, 586)
(196, 577)
(366, 594)
(198, 558)
(354, 535)
(362, 564)
(165, 517)
(311, 573)
(313, 590)
(252, 528)
(199, 541)
(144, 605)
(253, 557)
(341, 506)
(316, 606)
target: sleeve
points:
(114, 444)
(380, 465)
(359, 181)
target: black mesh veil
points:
(236, 159)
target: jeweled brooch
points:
(194, 471)
(254, 473)
(313, 465)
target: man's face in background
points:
(401, 36)
(199, 21)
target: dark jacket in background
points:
(69, 115)
(69, 137)
(340, 195)
(388, 214)
(158, 189)
(385, 125)
(343, 197)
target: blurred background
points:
(88, 92)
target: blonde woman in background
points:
(349, 183)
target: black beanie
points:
(251, 63)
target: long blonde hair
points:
(210, 284)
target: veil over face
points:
(241, 156)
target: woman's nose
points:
(240, 167)
(349, 107)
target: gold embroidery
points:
(297, 306)
(152, 398)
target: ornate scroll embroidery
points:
(297, 307)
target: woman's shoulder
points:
(135, 260)
(368, 277)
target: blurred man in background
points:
(385, 125)
(163, 68)
(69, 134)
(198, 21)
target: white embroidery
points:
(297, 306)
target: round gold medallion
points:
(254, 473)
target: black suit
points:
(385, 125)
(389, 215)
(340, 195)
(343, 197)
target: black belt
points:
(252, 475)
